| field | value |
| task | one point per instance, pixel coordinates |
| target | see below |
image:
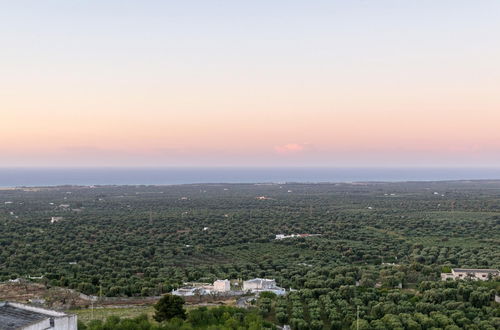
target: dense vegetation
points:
(220, 318)
(434, 305)
(380, 244)
(168, 307)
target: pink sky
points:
(341, 85)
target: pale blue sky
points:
(244, 80)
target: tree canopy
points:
(168, 307)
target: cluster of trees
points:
(433, 305)
(219, 318)
(170, 315)
(147, 240)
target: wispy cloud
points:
(290, 148)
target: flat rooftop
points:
(12, 317)
(461, 270)
(259, 280)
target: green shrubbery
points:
(220, 318)
(434, 305)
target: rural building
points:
(222, 286)
(258, 283)
(262, 284)
(283, 236)
(469, 273)
(190, 291)
(56, 219)
(194, 289)
(14, 316)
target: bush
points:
(168, 307)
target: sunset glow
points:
(364, 83)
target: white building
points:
(222, 286)
(472, 274)
(195, 289)
(14, 316)
(283, 236)
(56, 219)
(191, 291)
(258, 283)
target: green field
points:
(101, 313)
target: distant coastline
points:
(29, 177)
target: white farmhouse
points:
(222, 286)
(56, 219)
(190, 291)
(258, 283)
(470, 273)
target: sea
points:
(27, 177)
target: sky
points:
(250, 83)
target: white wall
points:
(42, 325)
(68, 322)
(250, 286)
(60, 323)
(222, 286)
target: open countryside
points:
(372, 255)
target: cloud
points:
(290, 148)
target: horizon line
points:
(252, 167)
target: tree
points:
(168, 307)
(362, 325)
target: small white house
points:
(471, 274)
(258, 283)
(190, 291)
(56, 219)
(222, 286)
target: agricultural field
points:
(129, 241)
(87, 315)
